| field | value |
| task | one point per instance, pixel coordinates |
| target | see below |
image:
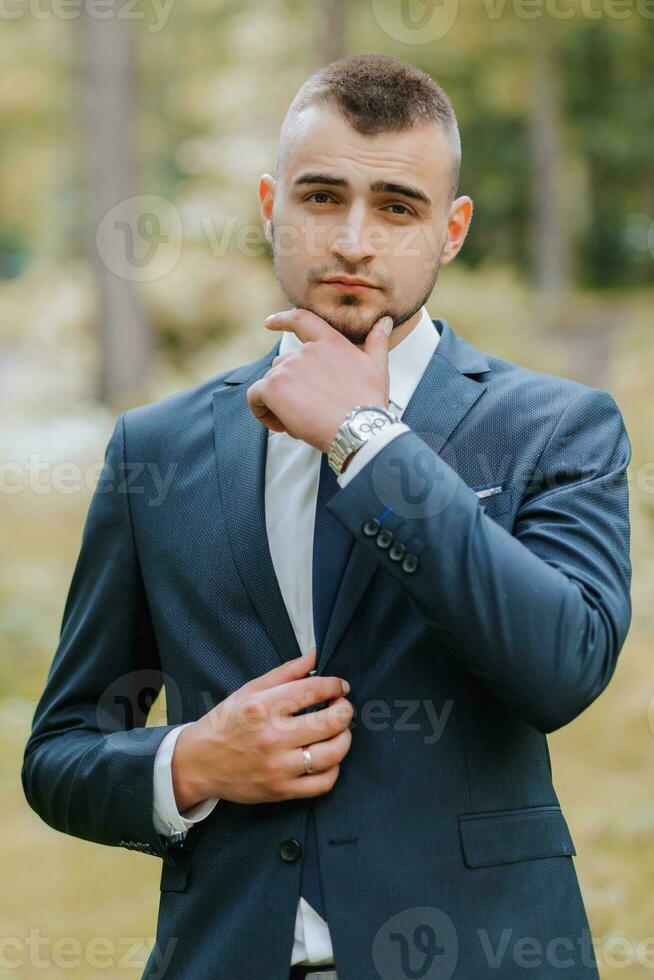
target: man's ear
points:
(266, 193)
(458, 224)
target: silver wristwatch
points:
(363, 422)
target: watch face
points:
(369, 421)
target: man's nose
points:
(352, 241)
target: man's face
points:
(393, 238)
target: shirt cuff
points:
(166, 817)
(370, 449)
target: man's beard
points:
(353, 329)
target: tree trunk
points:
(124, 334)
(550, 247)
(331, 31)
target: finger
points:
(325, 754)
(316, 726)
(303, 323)
(313, 784)
(256, 398)
(278, 358)
(271, 422)
(290, 670)
(376, 343)
(299, 694)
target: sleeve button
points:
(410, 564)
(371, 527)
(397, 552)
(384, 539)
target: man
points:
(445, 531)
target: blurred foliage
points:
(214, 83)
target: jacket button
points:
(290, 849)
(371, 527)
(397, 552)
(410, 564)
(384, 539)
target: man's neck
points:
(399, 333)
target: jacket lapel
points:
(240, 444)
(442, 399)
(444, 396)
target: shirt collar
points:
(406, 361)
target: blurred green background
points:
(178, 104)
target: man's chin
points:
(353, 324)
(356, 335)
(355, 332)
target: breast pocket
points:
(506, 836)
(495, 498)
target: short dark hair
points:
(377, 93)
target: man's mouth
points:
(350, 285)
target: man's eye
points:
(406, 209)
(406, 212)
(317, 194)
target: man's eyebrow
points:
(377, 186)
(388, 187)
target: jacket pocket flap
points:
(497, 503)
(505, 836)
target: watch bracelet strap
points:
(339, 451)
(343, 446)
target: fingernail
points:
(346, 687)
(387, 325)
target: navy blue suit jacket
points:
(468, 624)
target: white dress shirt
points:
(292, 473)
